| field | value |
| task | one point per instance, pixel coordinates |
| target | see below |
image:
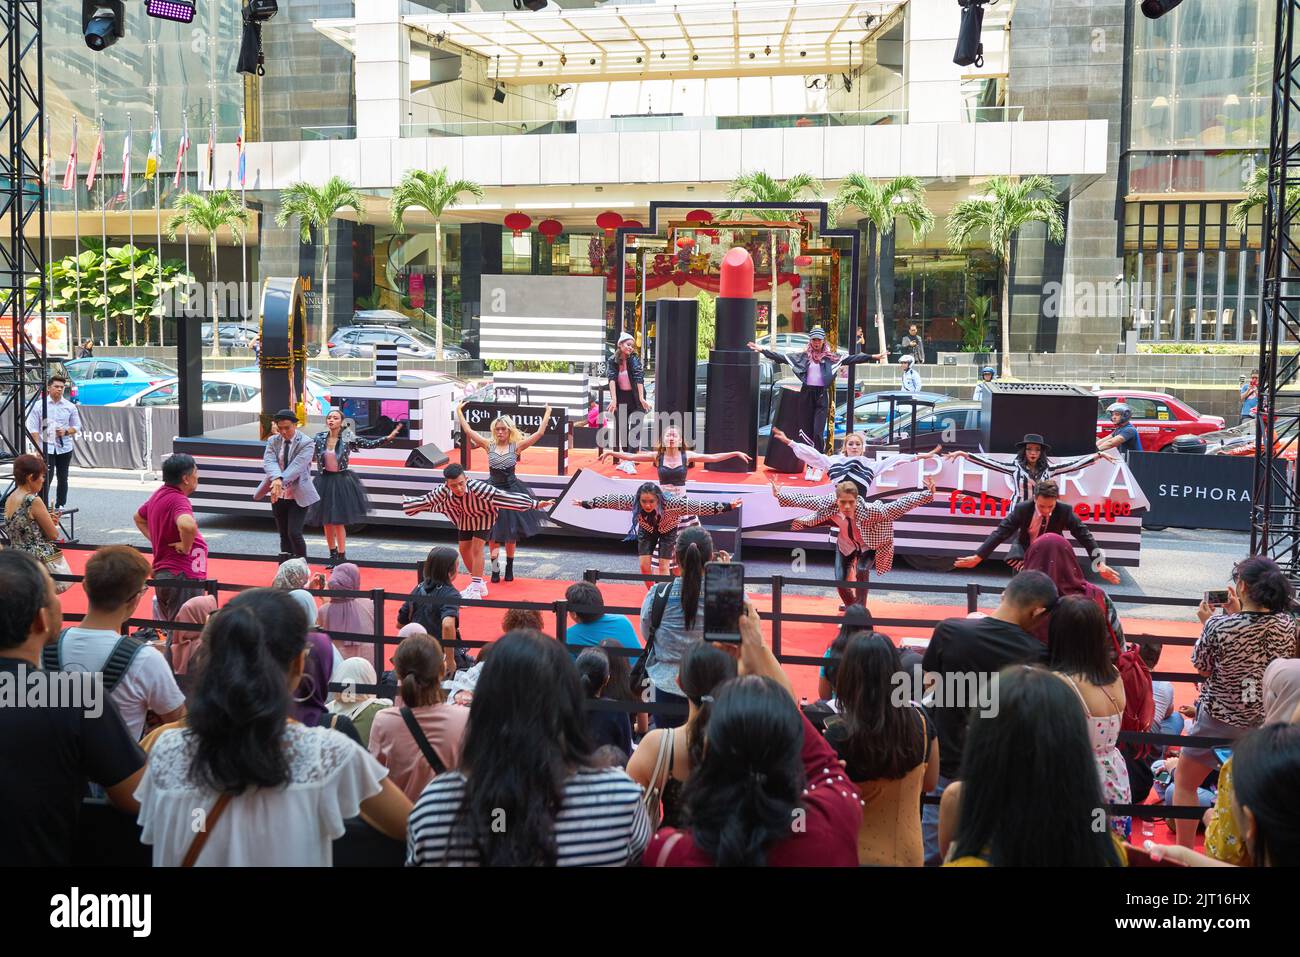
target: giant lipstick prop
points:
(731, 410)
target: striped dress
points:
(602, 822)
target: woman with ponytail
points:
(271, 791)
(421, 665)
(603, 727)
(768, 790)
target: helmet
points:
(908, 359)
(987, 370)
(1125, 412)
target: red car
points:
(1158, 416)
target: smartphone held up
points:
(724, 601)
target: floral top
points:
(1222, 840)
(25, 535)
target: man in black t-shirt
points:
(965, 653)
(49, 752)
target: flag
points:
(182, 148)
(155, 150)
(45, 162)
(70, 174)
(239, 146)
(212, 143)
(96, 158)
(126, 157)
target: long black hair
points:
(619, 687)
(1264, 582)
(1266, 778)
(1030, 792)
(650, 488)
(694, 551)
(740, 799)
(526, 734)
(884, 739)
(440, 565)
(240, 702)
(593, 671)
(704, 667)
(1079, 642)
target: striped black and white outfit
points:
(660, 533)
(1023, 478)
(602, 822)
(857, 469)
(475, 511)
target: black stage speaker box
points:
(1064, 415)
(189, 356)
(731, 406)
(427, 457)
(676, 328)
(791, 413)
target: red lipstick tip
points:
(737, 275)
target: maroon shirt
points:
(161, 511)
(830, 837)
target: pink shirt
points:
(624, 380)
(392, 745)
(161, 511)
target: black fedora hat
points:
(1033, 438)
(285, 414)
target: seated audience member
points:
(592, 626)
(681, 623)
(979, 646)
(526, 760)
(619, 686)
(1266, 782)
(354, 615)
(1080, 649)
(184, 642)
(1029, 789)
(675, 752)
(603, 727)
(857, 618)
(309, 701)
(891, 753)
(291, 575)
(48, 754)
(274, 792)
(359, 707)
(439, 616)
(1235, 647)
(1167, 719)
(136, 675)
(1052, 555)
(609, 756)
(522, 619)
(309, 608)
(763, 766)
(422, 737)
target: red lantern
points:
(550, 228)
(609, 221)
(685, 242)
(699, 216)
(802, 261)
(631, 224)
(517, 223)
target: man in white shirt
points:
(52, 431)
(911, 379)
(114, 584)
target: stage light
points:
(262, 10)
(970, 51)
(530, 4)
(499, 94)
(1154, 9)
(177, 11)
(103, 23)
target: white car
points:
(227, 392)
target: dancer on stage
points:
(503, 455)
(816, 368)
(343, 499)
(851, 465)
(658, 517)
(472, 506)
(1031, 465)
(627, 401)
(865, 529)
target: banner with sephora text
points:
(1196, 491)
(112, 438)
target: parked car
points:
(53, 367)
(1240, 440)
(1159, 417)
(767, 384)
(872, 409)
(109, 380)
(357, 341)
(947, 416)
(227, 392)
(234, 335)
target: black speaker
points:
(1064, 415)
(731, 413)
(791, 414)
(427, 457)
(189, 359)
(676, 327)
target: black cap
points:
(284, 414)
(1033, 438)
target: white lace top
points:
(291, 826)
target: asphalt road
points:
(1175, 562)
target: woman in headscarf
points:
(347, 614)
(1052, 555)
(292, 574)
(185, 641)
(358, 707)
(314, 689)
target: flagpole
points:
(130, 213)
(243, 233)
(157, 212)
(103, 227)
(76, 224)
(186, 172)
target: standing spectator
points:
(1250, 396)
(1029, 791)
(253, 772)
(359, 707)
(913, 343)
(48, 754)
(167, 520)
(962, 647)
(287, 463)
(440, 614)
(526, 761)
(591, 626)
(764, 766)
(136, 675)
(53, 430)
(603, 727)
(891, 753)
(1234, 649)
(423, 736)
(911, 381)
(29, 525)
(679, 622)
(354, 615)
(87, 349)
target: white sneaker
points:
(482, 589)
(628, 467)
(471, 591)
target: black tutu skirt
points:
(511, 526)
(342, 499)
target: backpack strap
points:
(119, 660)
(657, 608)
(52, 653)
(426, 748)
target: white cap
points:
(625, 337)
(907, 359)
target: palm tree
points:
(1006, 206)
(1257, 196)
(210, 214)
(881, 203)
(316, 207)
(761, 188)
(434, 192)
